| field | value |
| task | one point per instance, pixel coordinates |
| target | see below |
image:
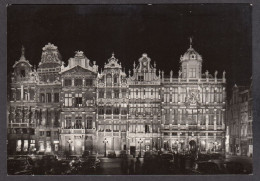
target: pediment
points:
(77, 70)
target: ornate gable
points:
(113, 63)
(77, 70)
(50, 55)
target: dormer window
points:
(22, 73)
(140, 78)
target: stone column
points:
(22, 90)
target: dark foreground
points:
(165, 164)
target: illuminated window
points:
(18, 146)
(48, 97)
(48, 146)
(68, 100)
(192, 73)
(109, 80)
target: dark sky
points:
(221, 34)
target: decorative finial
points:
(216, 73)
(190, 42)
(113, 55)
(134, 64)
(23, 50)
(207, 74)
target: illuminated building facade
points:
(193, 107)
(239, 121)
(58, 109)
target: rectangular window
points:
(78, 100)
(192, 73)
(123, 127)
(68, 100)
(108, 110)
(41, 133)
(140, 78)
(116, 110)
(48, 133)
(101, 110)
(56, 97)
(123, 93)
(109, 94)
(109, 80)
(89, 122)
(78, 82)
(116, 93)
(101, 94)
(42, 97)
(67, 82)
(48, 97)
(68, 123)
(116, 127)
(89, 82)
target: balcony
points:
(90, 131)
(21, 125)
(72, 131)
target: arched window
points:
(116, 110)
(101, 110)
(78, 124)
(22, 73)
(108, 110)
(115, 79)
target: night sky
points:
(221, 34)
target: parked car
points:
(111, 154)
(123, 154)
(90, 163)
(239, 165)
(85, 154)
(167, 159)
(19, 166)
(209, 167)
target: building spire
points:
(190, 42)
(22, 52)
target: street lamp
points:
(140, 142)
(105, 142)
(177, 142)
(70, 142)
